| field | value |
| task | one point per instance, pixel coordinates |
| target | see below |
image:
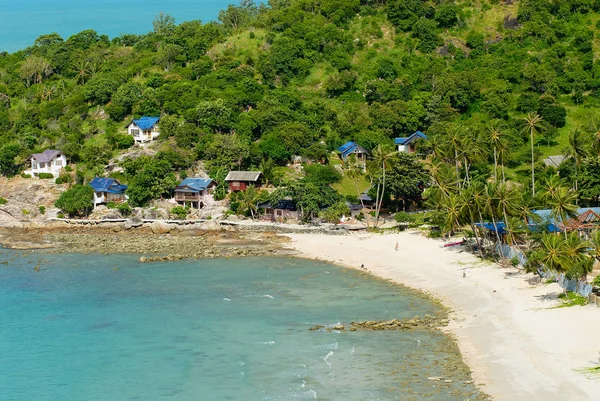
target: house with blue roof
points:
(352, 148)
(108, 190)
(195, 192)
(144, 129)
(408, 144)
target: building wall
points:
(53, 167)
(143, 136)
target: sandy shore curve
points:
(518, 346)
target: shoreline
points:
(517, 345)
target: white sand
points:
(517, 348)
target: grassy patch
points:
(571, 299)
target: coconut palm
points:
(594, 249)
(354, 170)
(454, 145)
(471, 152)
(563, 205)
(532, 124)
(381, 158)
(576, 150)
(552, 252)
(594, 129)
(249, 200)
(471, 212)
(454, 213)
(496, 139)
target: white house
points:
(50, 161)
(407, 144)
(108, 190)
(144, 129)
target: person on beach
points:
(396, 246)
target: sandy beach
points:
(518, 346)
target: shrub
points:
(111, 205)
(64, 179)
(403, 217)
(179, 212)
(124, 209)
(45, 176)
(76, 200)
(68, 169)
(23, 175)
(60, 216)
(3, 201)
(42, 209)
(25, 212)
(596, 281)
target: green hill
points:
(301, 78)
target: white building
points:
(144, 129)
(50, 161)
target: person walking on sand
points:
(396, 246)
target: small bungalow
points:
(283, 210)
(144, 129)
(240, 180)
(49, 162)
(351, 148)
(196, 192)
(554, 161)
(408, 144)
(108, 190)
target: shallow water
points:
(100, 327)
(21, 22)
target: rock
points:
(160, 227)
(447, 381)
(210, 225)
(143, 259)
(435, 378)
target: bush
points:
(23, 175)
(45, 176)
(42, 209)
(403, 217)
(124, 209)
(76, 200)
(179, 212)
(596, 281)
(25, 212)
(64, 179)
(3, 201)
(60, 216)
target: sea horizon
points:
(23, 22)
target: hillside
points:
(267, 83)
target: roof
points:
(554, 161)
(416, 135)
(146, 122)
(365, 197)
(109, 185)
(251, 176)
(46, 155)
(283, 204)
(193, 185)
(582, 213)
(351, 147)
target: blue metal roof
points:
(408, 139)
(109, 185)
(349, 147)
(146, 122)
(194, 184)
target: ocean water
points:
(21, 22)
(100, 328)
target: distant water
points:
(22, 21)
(105, 328)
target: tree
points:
(164, 24)
(576, 150)
(589, 185)
(250, 199)
(381, 158)
(215, 115)
(532, 124)
(77, 200)
(321, 175)
(406, 178)
(497, 139)
(563, 205)
(8, 153)
(34, 69)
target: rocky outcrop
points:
(161, 227)
(415, 323)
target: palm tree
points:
(496, 139)
(552, 253)
(532, 124)
(454, 136)
(249, 200)
(471, 209)
(563, 206)
(595, 245)
(454, 213)
(471, 151)
(594, 129)
(576, 150)
(354, 171)
(381, 158)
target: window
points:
(135, 132)
(58, 162)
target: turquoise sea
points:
(105, 328)
(21, 22)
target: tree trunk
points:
(532, 167)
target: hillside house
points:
(282, 210)
(241, 180)
(108, 190)
(196, 192)
(408, 144)
(49, 162)
(144, 129)
(351, 148)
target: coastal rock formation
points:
(415, 323)
(161, 227)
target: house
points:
(554, 161)
(283, 210)
(108, 190)
(196, 192)
(49, 162)
(144, 129)
(351, 148)
(240, 180)
(408, 144)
